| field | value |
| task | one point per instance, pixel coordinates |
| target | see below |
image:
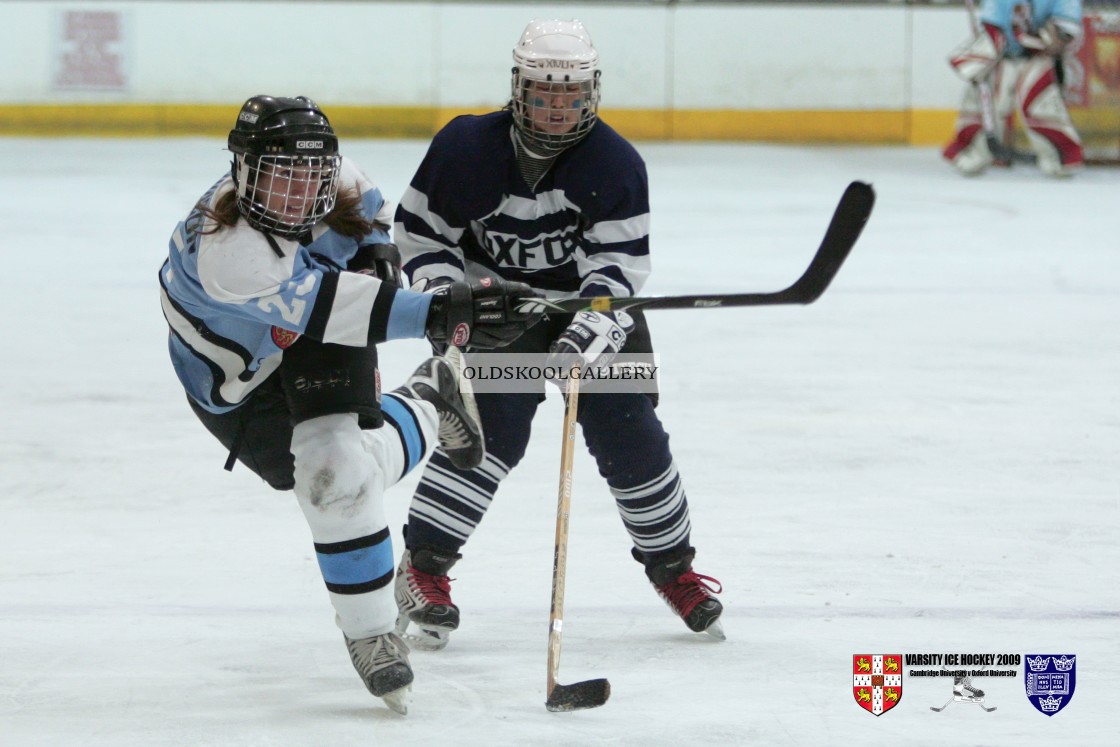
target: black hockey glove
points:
(592, 339)
(383, 261)
(482, 315)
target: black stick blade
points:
(843, 231)
(847, 224)
(579, 696)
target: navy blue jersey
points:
(235, 299)
(583, 229)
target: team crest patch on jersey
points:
(461, 334)
(877, 681)
(284, 338)
(1050, 680)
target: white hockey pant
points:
(341, 474)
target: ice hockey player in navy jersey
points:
(1016, 54)
(544, 192)
(277, 287)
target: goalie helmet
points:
(555, 88)
(285, 164)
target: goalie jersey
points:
(235, 299)
(469, 211)
(1015, 18)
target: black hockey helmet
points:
(281, 125)
(285, 163)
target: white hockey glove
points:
(1052, 39)
(593, 337)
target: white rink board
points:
(678, 56)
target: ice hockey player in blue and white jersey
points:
(1017, 51)
(544, 192)
(277, 287)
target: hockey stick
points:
(1000, 150)
(847, 222)
(590, 693)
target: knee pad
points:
(333, 472)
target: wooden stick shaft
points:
(563, 508)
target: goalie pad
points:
(975, 59)
(968, 151)
(1047, 121)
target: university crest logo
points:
(877, 681)
(1050, 679)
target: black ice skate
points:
(382, 663)
(688, 593)
(423, 594)
(460, 433)
(964, 692)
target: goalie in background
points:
(278, 285)
(1018, 52)
(545, 192)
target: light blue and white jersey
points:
(1027, 17)
(582, 229)
(236, 298)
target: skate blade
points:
(423, 638)
(398, 700)
(715, 630)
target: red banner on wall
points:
(89, 51)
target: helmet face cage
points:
(286, 195)
(553, 112)
(555, 88)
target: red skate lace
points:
(689, 590)
(434, 589)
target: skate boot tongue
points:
(687, 592)
(423, 594)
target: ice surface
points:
(926, 460)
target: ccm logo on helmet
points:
(461, 334)
(309, 144)
(562, 64)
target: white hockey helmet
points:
(555, 87)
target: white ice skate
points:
(382, 663)
(964, 692)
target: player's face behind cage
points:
(286, 195)
(560, 112)
(555, 84)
